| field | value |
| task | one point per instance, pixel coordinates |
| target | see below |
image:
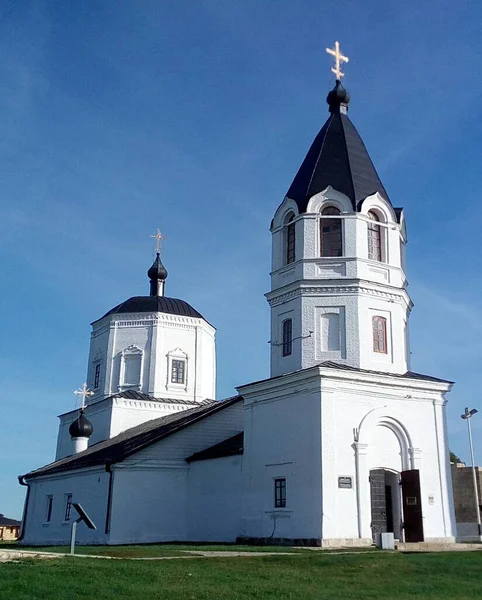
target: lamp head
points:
(469, 413)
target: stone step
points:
(436, 547)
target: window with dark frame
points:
(96, 376)
(379, 325)
(68, 506)
(374, 237)
(280, 492)
(178, 371)
(50, 502)
(331, 243)
(287, 345)
(290, 240)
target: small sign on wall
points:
(431, 499)
(345, 483)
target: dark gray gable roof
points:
(141, 304)
(4, 522)
(333, 365)
(230, 447)
(132, 440)
(337, 157)
(134, 395)
(408, 375)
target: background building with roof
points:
(341, 443)
(9, 528)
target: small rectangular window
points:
(48, 512)
(287, 337)
(96, 376)
(379, 325)
(68, 506)
(280, 493)
(178, 371)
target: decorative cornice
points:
(337, 290)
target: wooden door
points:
(378, 502)
(412, 506)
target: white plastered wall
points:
(159, 337)
(282, 439)
(313, 429)
(214, 499)
(151, 489)
(352, 286)
(89, 487)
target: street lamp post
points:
(468, 414)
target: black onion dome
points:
(158, 270)
(337, 96)
(81, 427)
(146, 304)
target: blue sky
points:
(119, 117)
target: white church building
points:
(342, 442)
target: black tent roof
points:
(337, 157)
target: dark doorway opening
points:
(412, 506)
(385, 503)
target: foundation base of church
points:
(346, 542)
(306, 542)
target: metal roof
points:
(4, 522)
(337, 157)
(229, 447)
(132, 440)
(142, 304)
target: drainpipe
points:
(109, 497)
(21, 480)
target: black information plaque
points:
(345, 483)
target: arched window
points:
(287, 337)
(379, 325)
(374, 237)
(330, 233)
(290, 239)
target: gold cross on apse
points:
(84, 393)
(158, 237)
(339, 58)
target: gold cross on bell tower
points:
(339, 59)
(158, 237)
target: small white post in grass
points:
(73, 533)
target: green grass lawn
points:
(306, 576)
(150, 550)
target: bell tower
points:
(338, 284)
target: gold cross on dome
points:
(158, 237)
(339, 58)
(84, 393)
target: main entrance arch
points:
(385, 457)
